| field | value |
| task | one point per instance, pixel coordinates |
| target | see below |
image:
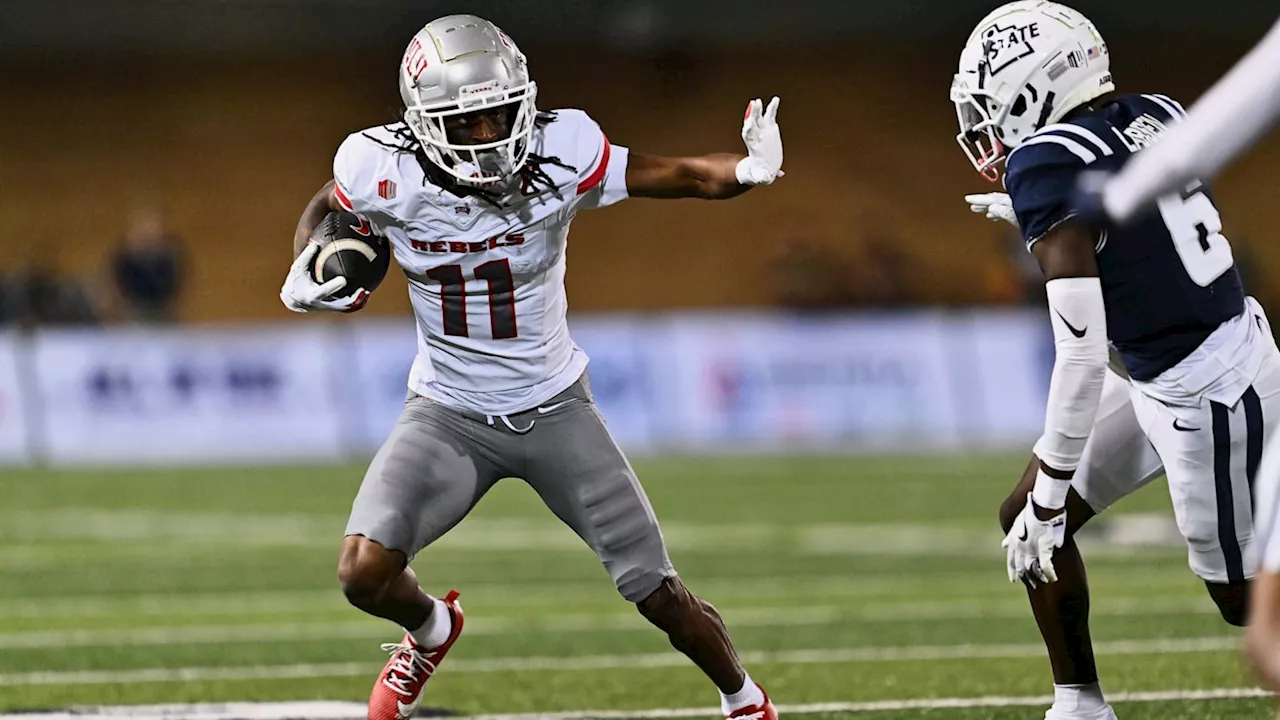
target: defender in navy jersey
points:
(1195, 384)
(1168, 279)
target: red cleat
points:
(763, 711)
(400, 686)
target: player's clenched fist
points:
(763, 163)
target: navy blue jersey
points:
(1168, 278)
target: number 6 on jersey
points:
(1196, 229)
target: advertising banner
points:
(177, 396)
(14, 411)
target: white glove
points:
(763, 163)
(301, 293)
(1030, 545)
(996, 206)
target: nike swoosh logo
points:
(543, 410)
(1024, 535)
(407, 711)
(1078, 333)
(1181, 428)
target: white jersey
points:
(486, 282)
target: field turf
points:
(844, 580)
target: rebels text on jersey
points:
(486, 277)
(1168, 279)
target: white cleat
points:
(1103, 713)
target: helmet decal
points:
(1004, 46)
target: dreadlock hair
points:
(531, 174)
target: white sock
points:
(746, 697)
(436, 629)
(1078, 698)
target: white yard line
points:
(916, 611)
(164, 536)
(538, 593)
(598, 662)
(332, 710)
(377, 629)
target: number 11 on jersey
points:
(501, 296)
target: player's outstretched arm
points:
(1066, 255)
(717, 176)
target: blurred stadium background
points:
(818, 380)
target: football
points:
(350, 248)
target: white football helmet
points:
(1025, 66)
(459, 64)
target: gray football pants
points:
(440, 460)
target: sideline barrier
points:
(689, 382)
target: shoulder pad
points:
(573, 137)
(1062, 144)
(1162, 106)
(366, 168)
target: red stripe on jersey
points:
(343, 200)
(596, 175)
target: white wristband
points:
(754, 171)
(1049, 492)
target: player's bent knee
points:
(1078, 510)
(1010, 509)
(665, 606)
(366, 569)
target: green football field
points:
(867, 587)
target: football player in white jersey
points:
(476, 190)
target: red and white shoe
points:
(400, 686)
(763, 711)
